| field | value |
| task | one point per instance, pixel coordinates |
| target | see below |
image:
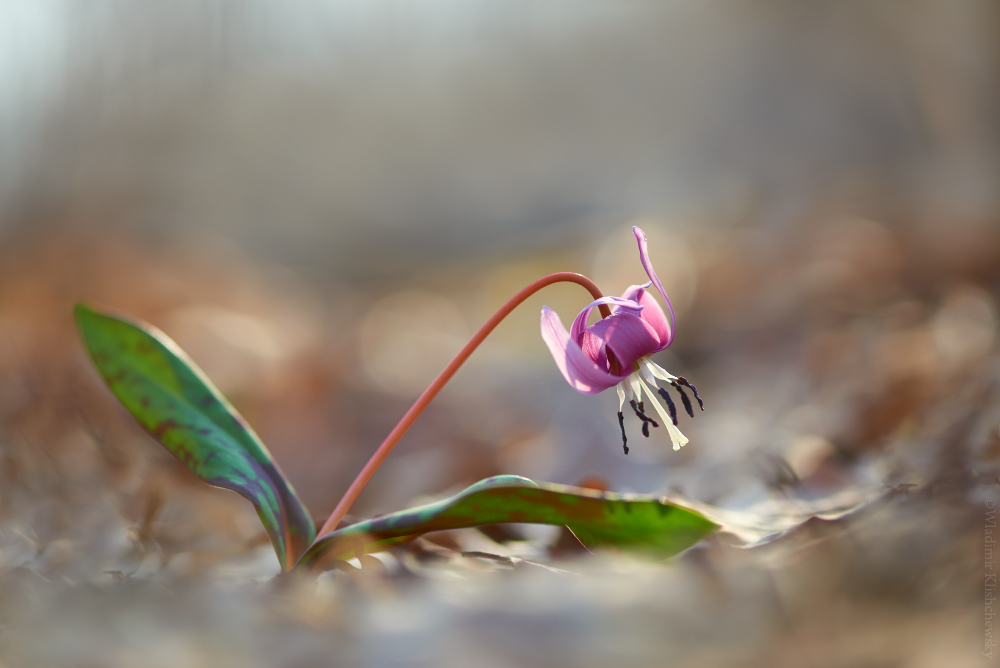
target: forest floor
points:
(849, 365)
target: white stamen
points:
(621, 395)
(659, 371)
(636, 387)
(629, 394)
(656, 404)
(648, 376)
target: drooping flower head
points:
(616, 351)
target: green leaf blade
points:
(180, 407)
(644, 523)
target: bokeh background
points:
(321, 202)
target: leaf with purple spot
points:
(644, 523)
(180, 407)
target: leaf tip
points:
(85, 316)
(81, 311)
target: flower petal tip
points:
(640, 238)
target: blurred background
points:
(322, 202)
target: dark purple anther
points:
(621, 423)
(642, 416)
(684, 399)
(686, 383)
(671, 408)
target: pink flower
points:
(616, 351)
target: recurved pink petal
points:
(628, 336)
(651, 313)
(580, 371)
(580, 322)
(632, 294)
(595, 351)
(640, 238)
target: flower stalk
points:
(354, 491)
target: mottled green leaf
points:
(176, 403)
(645, 523)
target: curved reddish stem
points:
(354, 491)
